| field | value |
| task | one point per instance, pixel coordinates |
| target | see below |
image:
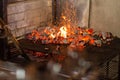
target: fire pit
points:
(68, 57)
(39, 50)
(63, 45)
(55, 39)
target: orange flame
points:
(52, 36)
(63, 32)
(64, 17)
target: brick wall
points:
(24, 16)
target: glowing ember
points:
(52, 36)
(77, 36)
(64, 17)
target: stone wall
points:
(24, 16)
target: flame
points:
(52, 36)
(90, 31)
(64, 17)
(63, 32)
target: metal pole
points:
(107, 69)
(5, 3)
(119, 67)
(89, 15)
(54, 11)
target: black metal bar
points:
(54, 11)
(119, 67)
(107, 69)
(4, 50)
(3, 9)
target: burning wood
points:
(77, 36)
